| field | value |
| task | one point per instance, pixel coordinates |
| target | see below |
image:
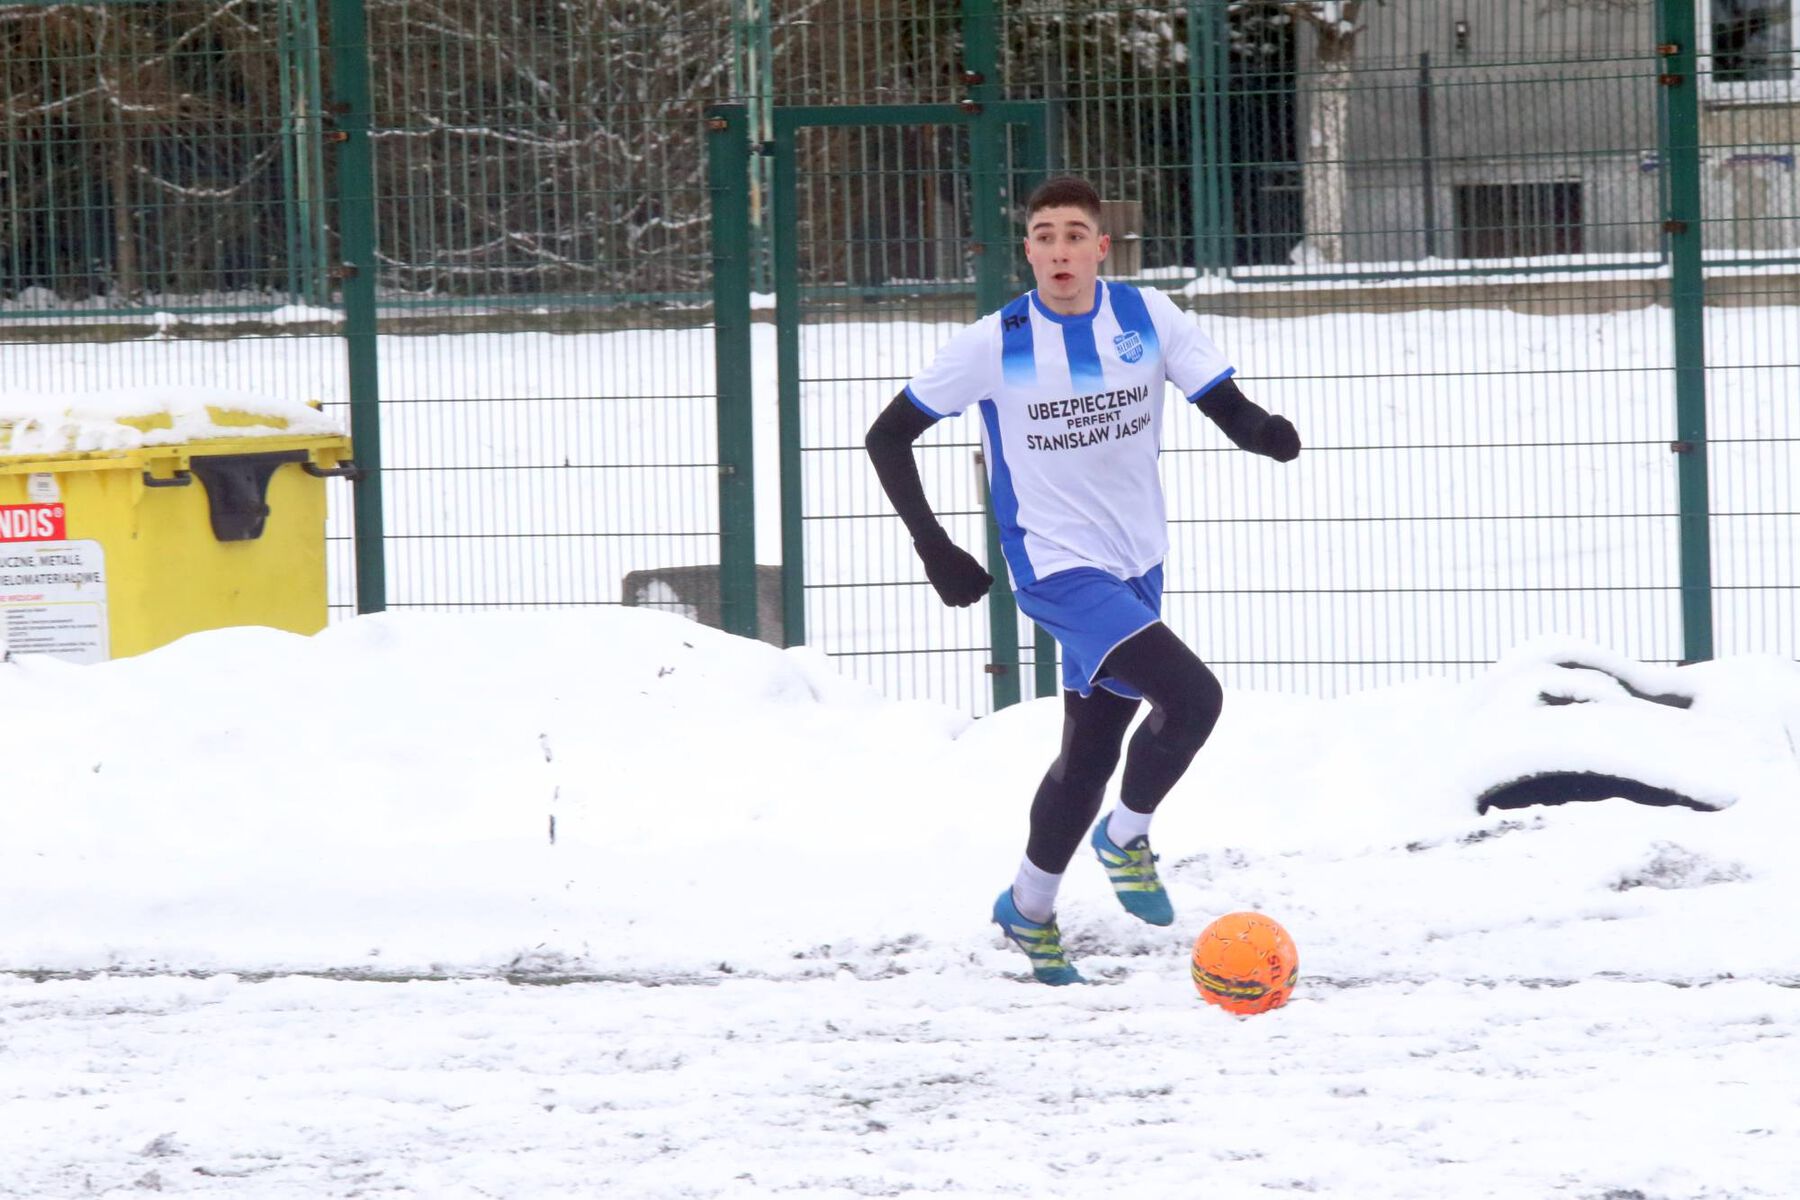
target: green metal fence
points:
(479, 234)
(609, 291)
(163, 194)
(163, 154)
(1472, 258)
(540, 220)
(845, 226)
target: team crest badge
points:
(1130, 346)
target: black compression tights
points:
(1185, 699)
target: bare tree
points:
(80, 113)
(1336, 25)
(133, 157)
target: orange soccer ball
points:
(1245, 962)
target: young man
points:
(1069, 381)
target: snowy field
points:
(604, 903)
(609, 904)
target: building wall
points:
(1539, 92)
(1751, 176)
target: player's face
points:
(1065, 251)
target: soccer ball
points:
(1245, 962)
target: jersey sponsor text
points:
(1051, 410)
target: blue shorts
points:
(1089, 612)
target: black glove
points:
(1278, 439)
(959, 579)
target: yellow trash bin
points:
(113, 552)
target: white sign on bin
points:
(53, 600)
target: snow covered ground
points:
(287, 918)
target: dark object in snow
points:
(1560, 787)
(1671, 699)
(693, 592)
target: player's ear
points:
(1105, 243)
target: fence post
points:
(752, 53)
(1208, 144)
(302, 153)
(1038, 140)
(728, 177)
(356, 247)
(991, 226)
(784, 224)
(1683, 226)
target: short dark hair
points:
(1064, 191)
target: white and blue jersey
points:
(1071, 423)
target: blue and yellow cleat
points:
(1132, 870)
(1040, 940)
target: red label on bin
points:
(32, 523)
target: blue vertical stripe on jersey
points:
(1005, 501)
(1128, 306)
(1084, 359)
(1018, 361)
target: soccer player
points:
(1068, 380)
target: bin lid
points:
(85, 424)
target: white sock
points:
(1125, 826)
(1034, 891)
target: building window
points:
(1518, 220)
(1751, 47)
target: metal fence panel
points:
(1749, 143)
(856, 193)
(546, 365)
(162, 209)
(1488, 460)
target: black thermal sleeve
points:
(889, 443)
(958, 577)
(1248, 424)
